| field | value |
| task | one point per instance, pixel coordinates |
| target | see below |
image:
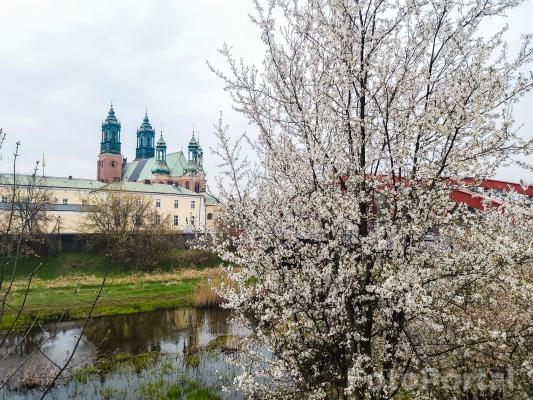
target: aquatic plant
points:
(191, 361)
(206, 293)
(224, 343)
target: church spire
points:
(110, 142)
(145, 139)
(195, 155)
(161, 167)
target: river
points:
(126, 357)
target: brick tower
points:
(109, 167)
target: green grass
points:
(188, 390)
(101, 367)
(64, 264)
(83, 263)
(72, 280)
(48, 304)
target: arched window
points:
(187, 185)
(209, 216)
(197, 187)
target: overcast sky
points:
(61, 62)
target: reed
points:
(205, 293)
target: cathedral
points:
(152, 164)
(174, 182)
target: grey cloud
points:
(62, 62)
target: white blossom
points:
(369, 113)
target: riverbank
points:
(66, 285)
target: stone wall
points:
(73, 242)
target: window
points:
(197, 187)
(192, 220)
(113, 163)
(209, 216)
(157, 219)
(176, 220)
(84, 202)
(187, 185)
(193, 204)
(176, 203)
(158, 203)
(65, 201)
(4, 199)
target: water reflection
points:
(167, 331)
(153, 331)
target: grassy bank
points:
(65, 286)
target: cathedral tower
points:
(109, 167)
(161, 167)
(194, 177)
(145, 140)
(194, 157)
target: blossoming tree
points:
(368, 112)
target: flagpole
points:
(43, 165)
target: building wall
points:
(189, 182)
(68, 209)
(109, 167)
(66, 222)
(210, 215)
(186, 212)
(71, 196)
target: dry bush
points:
(128, 227)
(195, 258)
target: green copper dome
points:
(111, 118)
(161, 167)
(194, 162)
(145, 139)
(146, 126)
(193, 143)
(110, 142)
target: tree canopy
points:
(366, 111)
